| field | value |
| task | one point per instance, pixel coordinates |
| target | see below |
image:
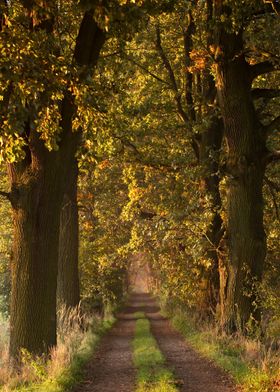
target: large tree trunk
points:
(34, 264)
(37, 191)
(245, 169)
(247, 246)
(68, 289)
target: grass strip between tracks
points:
(152, 373)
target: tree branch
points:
(6, 101)
(275, 5)
(89, 41)
(265, 93)
(147, 215)
(104, 56)
(146, 70)
(127, 143)
(188, 46)
(273, 126)
(171, 74)
(165, 60)
(261, 68)
(3, 17)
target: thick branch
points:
(89, 41)
(9, 89)
(261, 68)
(265, 93)
(88, 46)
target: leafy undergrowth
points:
(254, 367)
(64, 369)
(152, 374)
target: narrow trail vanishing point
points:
(111, 368)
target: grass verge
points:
(62, 371)
(152, 374)
(251, 366)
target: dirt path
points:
(111, 369)
(194, 373)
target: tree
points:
(195, 101)
(38, 180)
(247, 158)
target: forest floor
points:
(111, 368)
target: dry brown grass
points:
(74, 328)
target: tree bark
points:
(37, 188)
(34, 267)
(209, 157)
(246, 151)
(68, 288)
